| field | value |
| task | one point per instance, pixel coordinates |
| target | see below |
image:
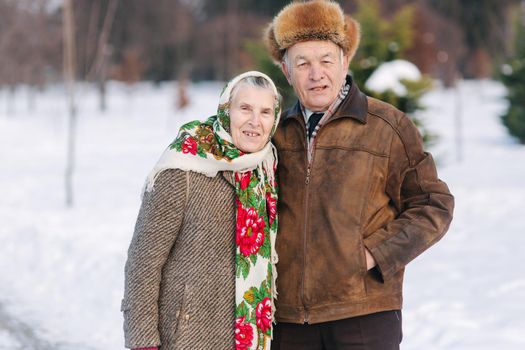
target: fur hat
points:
(311, 20)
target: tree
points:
(69, 77)
(383, 41)
(29, 44)
(513, 76)
(484, 25)
(99, 67)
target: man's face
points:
(316, 70)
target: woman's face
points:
(251, 117)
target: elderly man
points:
(359, 197)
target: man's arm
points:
(424, 203)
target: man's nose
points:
(316, 73)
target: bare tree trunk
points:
(232, 37)
(31, 97)
(11, 90)
(69, 77)
(458, 122)
(91, 38)
(99, 67)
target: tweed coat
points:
(180, 272)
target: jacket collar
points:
(355, 106)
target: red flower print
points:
(243, 334)
(244, 179)
(271, 207)
(250, 231)
(263, 313)
(189, 146)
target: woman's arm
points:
(156, 230)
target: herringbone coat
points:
(180, 271)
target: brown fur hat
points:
(311, 20)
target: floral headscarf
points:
(207, 147)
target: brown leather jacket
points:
(369, 184)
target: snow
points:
(62, 269)
(7, 341)
(389, 76)
(467, 291)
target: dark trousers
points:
(378, 331)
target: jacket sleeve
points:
(158, 223)
(424, 203)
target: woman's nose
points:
(255, 119)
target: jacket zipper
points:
(309, 162)
(307, 181)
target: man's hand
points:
(370, 261)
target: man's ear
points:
(346, 62)
(284, 69)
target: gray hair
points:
(286, 61)
(258, 82)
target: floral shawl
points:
(207, 147)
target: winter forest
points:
(92, 91)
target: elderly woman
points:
(200, 268)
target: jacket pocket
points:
(183, 315)
(362, 264)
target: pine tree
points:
(514, 79)
(383, 41)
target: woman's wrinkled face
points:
(251, 117)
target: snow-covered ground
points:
(61, 270)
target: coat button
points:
(187, 317)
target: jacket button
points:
(187, 317)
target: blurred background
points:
(91, 91)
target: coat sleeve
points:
(424, 203)
(158, 224)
